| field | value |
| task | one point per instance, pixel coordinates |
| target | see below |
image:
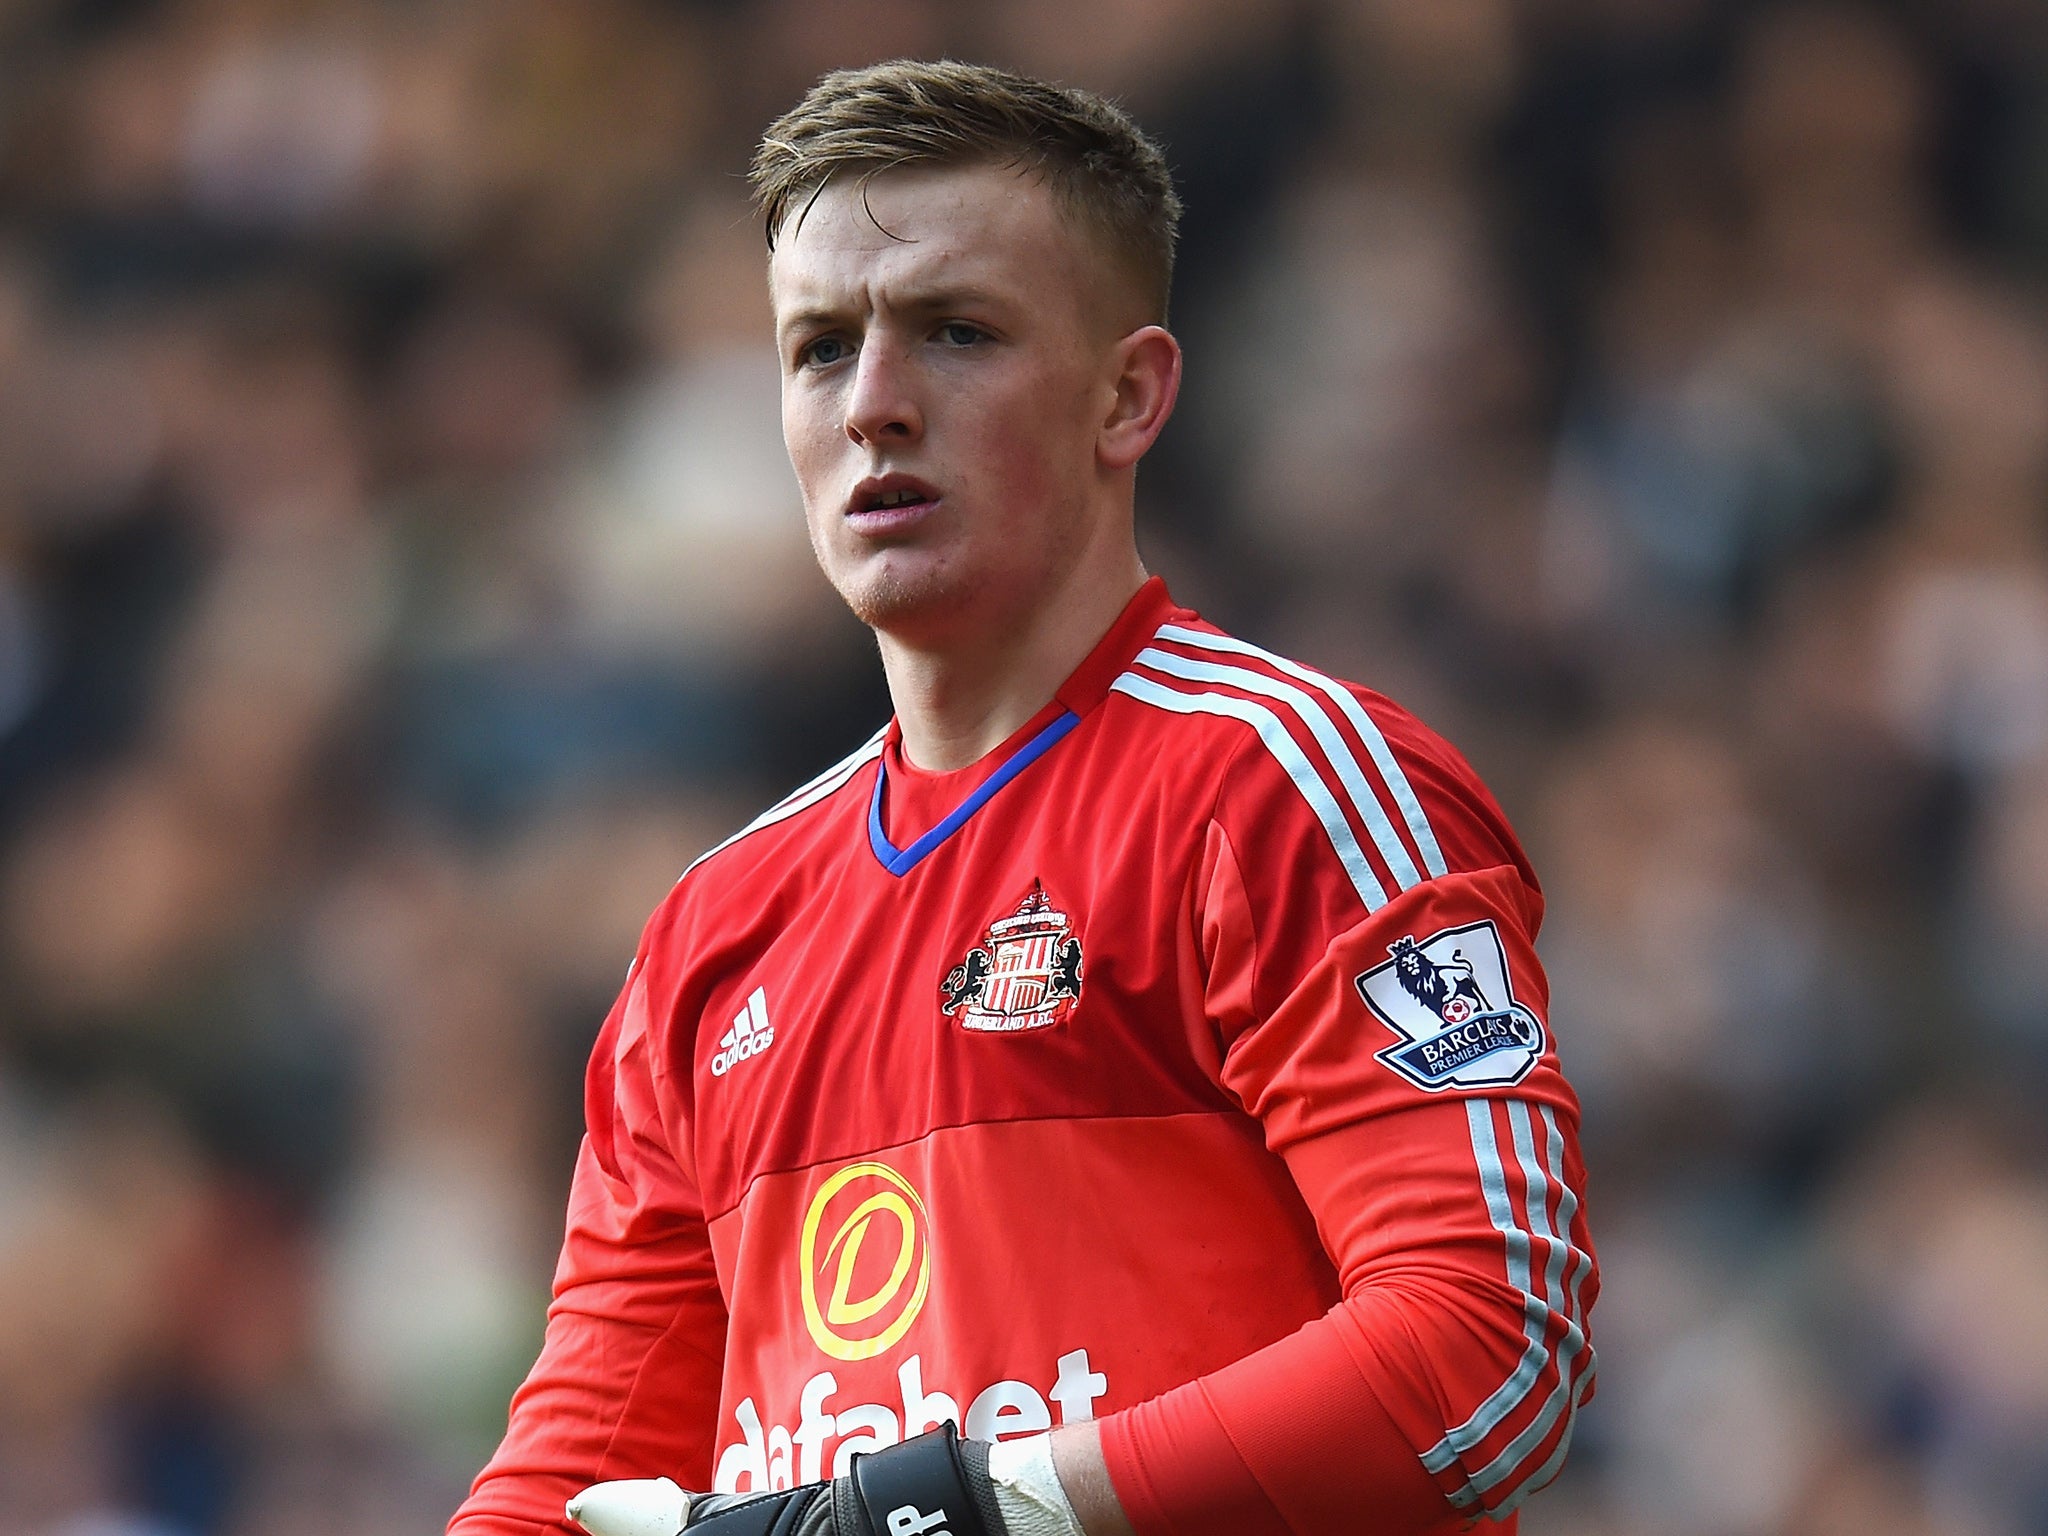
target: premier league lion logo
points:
(1449, 999)
(1447, 990)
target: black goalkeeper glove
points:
(934, 1485)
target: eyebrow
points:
(935, 301)
(806, 320)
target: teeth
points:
(897, 498)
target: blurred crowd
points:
(400, 581)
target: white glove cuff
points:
(638, 1506)
(1028, 1491)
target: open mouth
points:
(889, 500)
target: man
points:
(1135, 1054)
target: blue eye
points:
(825, 351)
(958, 333)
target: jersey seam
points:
(1201, 1385)
(1223, 775)
(675, 1323)
(1258, 944)
(1225, 1110)
(1215, 819)
(659, 1073)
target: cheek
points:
(808, 440)
(1051, 449)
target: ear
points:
(1147, 384)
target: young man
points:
(1136, 1053)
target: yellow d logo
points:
(866, 1307)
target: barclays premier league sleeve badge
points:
(1448, 999)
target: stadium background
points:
(400, 581)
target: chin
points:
(899, 601)
(895, 602)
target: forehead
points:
(992, 227)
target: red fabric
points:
(1234, 1455)
(1430, 1324)
(844, 1179)
(1174, 1464)
(636, 1315)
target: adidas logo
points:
(750, 1035)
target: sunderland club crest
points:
(1024, 974)
(1448, 998)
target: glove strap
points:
(923, 1487)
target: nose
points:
(884, 405)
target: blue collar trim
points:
(900, 861)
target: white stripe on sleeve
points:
(1368, 732)
(1287, 754)
(1560, 1299)
(1393, 852)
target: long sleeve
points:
(1432, 1136)
(628, 1376)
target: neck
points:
(959, 699)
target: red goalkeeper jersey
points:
(1184, 1064)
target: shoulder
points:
(734, 893)
(766, 841)
(1315, 774)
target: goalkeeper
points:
(1120, 1096)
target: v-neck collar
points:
(981, 781)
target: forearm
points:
(1291, 1439)
(1084, 1474)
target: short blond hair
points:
(1104, 171)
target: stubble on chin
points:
(897, 601)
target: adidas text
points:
(750, 1035)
